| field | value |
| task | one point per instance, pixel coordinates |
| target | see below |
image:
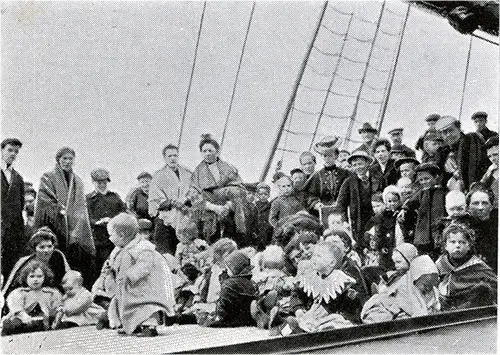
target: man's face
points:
(359, 165)
(381, 154)
(425, 179)
(29, 202)
(493, 155)
(397, 138)
(480, 205)
(451, 134)
(367, 137)
(9, 153)
(480, 123)
(101, 185)
(171, 158)
(307, 163)
(407, 170)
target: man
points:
(323, 187)
(13, 240)
(431, 122)
(406, 167)
(307, 163)
(490, 178)
(102, 205)
(342, 158)
(396, 136)
(168, 190)
(467, 160)
(368, 134)
(480, 119)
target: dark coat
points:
(487, 133)
(359, 202)
(429, 204)
(283, 206)
(264, 229)
(487, 239)
(324, 186)
(139, 203)
(389, 177)
(471, 158)
(385, 235)
(100, 206)
(13, 238)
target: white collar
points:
(4, 166)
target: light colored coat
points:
(80, 309)
(166, 186)
(143, 286)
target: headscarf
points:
(408, 251)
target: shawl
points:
(55, 195)
(204, 180)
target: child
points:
(413, 294)
(337, 221)
(402, 256)
(433, 150)
(287, 203)
(429, 205)
(466, 280)
(406, 188)
(299, 248)
(343, 240)
(77, 307)
(144, 289)
(264, 229)
(104, 287)
(33, 306)
(236, 294)
(189, 246)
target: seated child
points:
(189, 245)
(144, 290)
(274, 286)
(412, 295)
(402, 255)
(77, 307)
(337, 221)
(344, 241)
(33, 306)
(236, 294)
(323, 297)
(466, 280)
(299, 248)
(287, 203)
(456, 209)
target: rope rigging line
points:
(394, 12)
(467, 65)
(346, 78)
(362, 40)
(287, 130)
(305, 111)
(192, 74)
(335, 117)
(318, 72)
(337, 66)
(339, 11)
(353, 60)
(375, 88)
(295, 133)
(237, 75)
(370, 101)
(325, 52)
(381, 70)
(341, 94)
(312, 89)
(332, 31)
(388, 33)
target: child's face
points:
(35, 279)
(381, 154)
(407, 170)
(456, 209)
(116, 238)
(285, 187)
(298, 179)
(425, 179)
(406, 190)
(335, 240)
(392, 202)
(457, 245)
(335, 221)
(322, 260)
(303, 252)
(69, 284)
(378, 206)
(426, 283)
(184, 238)
(400, 262)
(431, 147)
(359, 165)
(262, 195)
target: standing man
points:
(323, 187)
(368, 134)
(167, 191)
(480, 119)
(13, 240)
(396, 136)
(467, 161)
(307, 163)
(102, 205)
(431, 122)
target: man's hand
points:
(318, 206)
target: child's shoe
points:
(147, 332)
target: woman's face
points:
(457, 245)
(381, 154)
(116, 238)
(66, 161)
(44, 250)
(480, 205)
(35, 279)
(210, 153)
(145, 182)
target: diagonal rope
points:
(192, 74)
(467, 64)
(237, 75)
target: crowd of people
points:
(373, 235)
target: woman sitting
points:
(44, 246)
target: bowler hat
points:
(12, 141)
(360, 154)
(429, 167)
(367, 127)
(401, 161)
(100, 174)
(479, 114)
(395, 130)
(445, 122)
(433, 117)
(328, 143)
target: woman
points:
(383, 165)
(138, 202)
(226, 210)
(61, 206)
(44, 249)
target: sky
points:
(110, 79)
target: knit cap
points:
(408, 251)
(422, 265)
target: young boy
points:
(429, 205)
(264, 229)
(287, 203)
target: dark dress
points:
(139, 203)
(389, 177)
(264, 229)
(324, 186)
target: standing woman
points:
(61, 206)
(226, 209)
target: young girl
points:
(32, 306)
(402, 256)
(466, 280)
(144, 289)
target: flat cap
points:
(100, 174)
(445, 122)
(433, 117)
(12, 141)
(479, 114)
(429, 167)
(395, 130)
(433, 135)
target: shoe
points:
(147, 332)
(259, 316)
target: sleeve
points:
(46, 207)
(344, 198)
(312, 189)
(227, 297)
(413, 203)
(15, 301)
(155, 196)
(274, 213)
(120, 205)
(142, 267)
(78, 304)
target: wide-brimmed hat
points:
(395, 130)
(360, 154)
(328, 143)
(479, 114)
(405, 160)
(100, 174)
(367, 127)
(433, 117)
